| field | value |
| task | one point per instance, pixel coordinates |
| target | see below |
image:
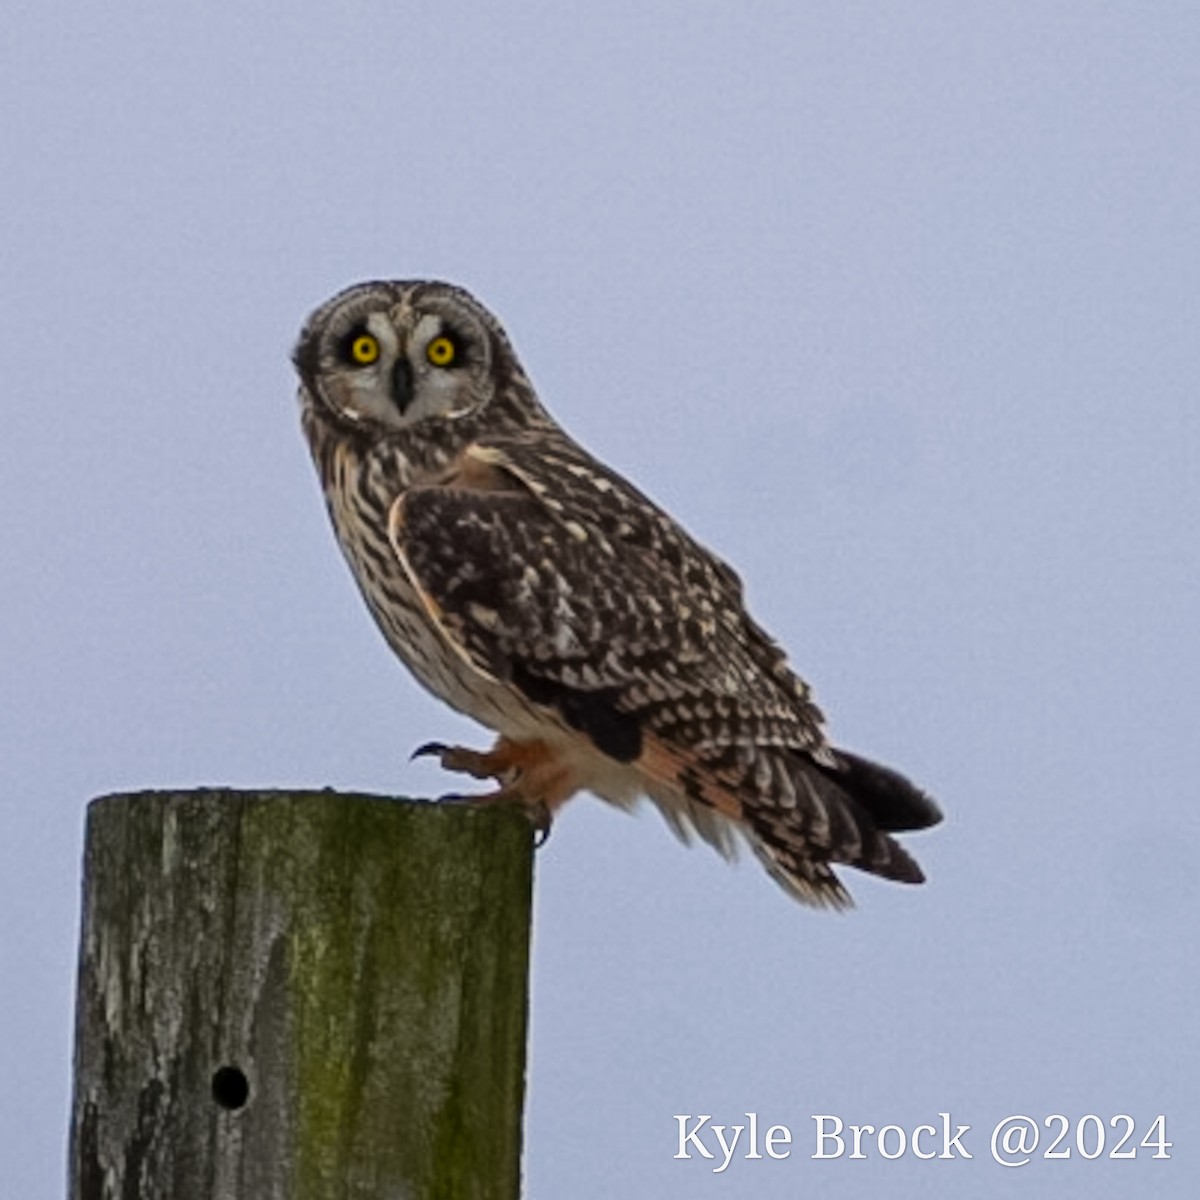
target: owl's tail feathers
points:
(853, 807)
(890, 800)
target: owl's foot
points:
(530, 775)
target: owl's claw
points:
(428, 750)
(476, 763)
(539, 818)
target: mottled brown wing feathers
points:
(555, 574)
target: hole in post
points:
(230, 1087)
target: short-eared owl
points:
(533, 588)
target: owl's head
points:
(389, 355)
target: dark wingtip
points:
(595, 713)
(893, 802)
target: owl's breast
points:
(359, 505)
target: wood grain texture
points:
(356, 966)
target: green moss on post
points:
(301, 996)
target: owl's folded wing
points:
(551, 573)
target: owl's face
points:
(389, 355)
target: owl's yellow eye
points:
(364, 349)
(441, 351)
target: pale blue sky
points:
(895, 305)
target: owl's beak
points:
(402, 384)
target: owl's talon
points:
(476, 763)
(428, 750)
(539, 818)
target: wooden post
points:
(300, 996)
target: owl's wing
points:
(552, 573)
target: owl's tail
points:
(852, 808)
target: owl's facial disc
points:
(394, 367)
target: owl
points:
(531, 587)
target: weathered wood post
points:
(300, 996)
